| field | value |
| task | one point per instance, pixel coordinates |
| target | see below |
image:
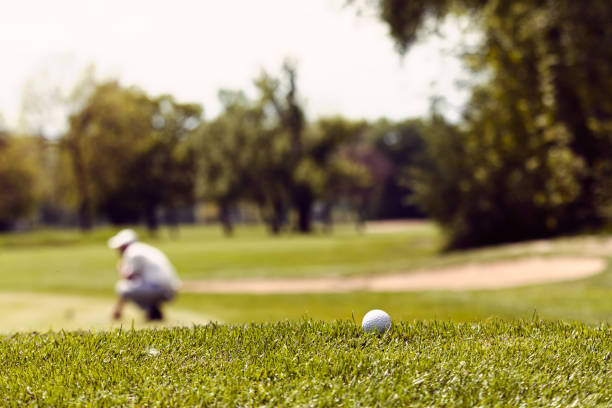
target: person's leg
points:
(148, 296)
(155, 313)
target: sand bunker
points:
(493, 275)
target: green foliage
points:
(488, 185)
(237, 156)
(279, 96)
(523, 363)
(130, 154)
(58, 195)
(20, 177)
(127, 156)
(402, 144)
(162, 174)
(331, 143)
(532, 155)
(262, 151)
(316, 165)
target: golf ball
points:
(377, 320)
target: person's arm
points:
(130, 268)
(119, 308)
(120, 268)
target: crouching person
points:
(147, 277)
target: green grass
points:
(546, 345)
(591, 306)
(70, 263)
(310, 363)
(588, 300)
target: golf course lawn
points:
(542, 345)
(68, 277)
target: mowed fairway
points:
(69, 277)
(70, 260)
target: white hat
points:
(123, 237)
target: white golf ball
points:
(377, 320)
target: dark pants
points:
(146, 295)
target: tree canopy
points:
(531, 156)
(20, 177)
(130, 154)
(263, 151)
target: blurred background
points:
(487, 121)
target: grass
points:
(44, 262)
(590, 305)
(67, 263)
(311, 363)
(42, 312)
(547, 345)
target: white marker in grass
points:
(377, 320)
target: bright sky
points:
(191, 48)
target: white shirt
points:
(149, 264)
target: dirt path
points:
(494, 275)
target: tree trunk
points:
(360, 221)
(85, 216)
(361, 210)
(326, 217)
(81, 175)
(152, 220)
(85, 219)
(226, 219)
(278, 217)
(172, 222)
(304, 209)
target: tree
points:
(227, 153)
(341, 169)
(102, 139)
(310, 162)
(163, 174)
(48, 98)
(50, 95)
(19, 178)
(532, 155)
(242, 157)
(246, 155)
(131, 154)
(402, 144)
(281, 97)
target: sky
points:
(347, 63)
